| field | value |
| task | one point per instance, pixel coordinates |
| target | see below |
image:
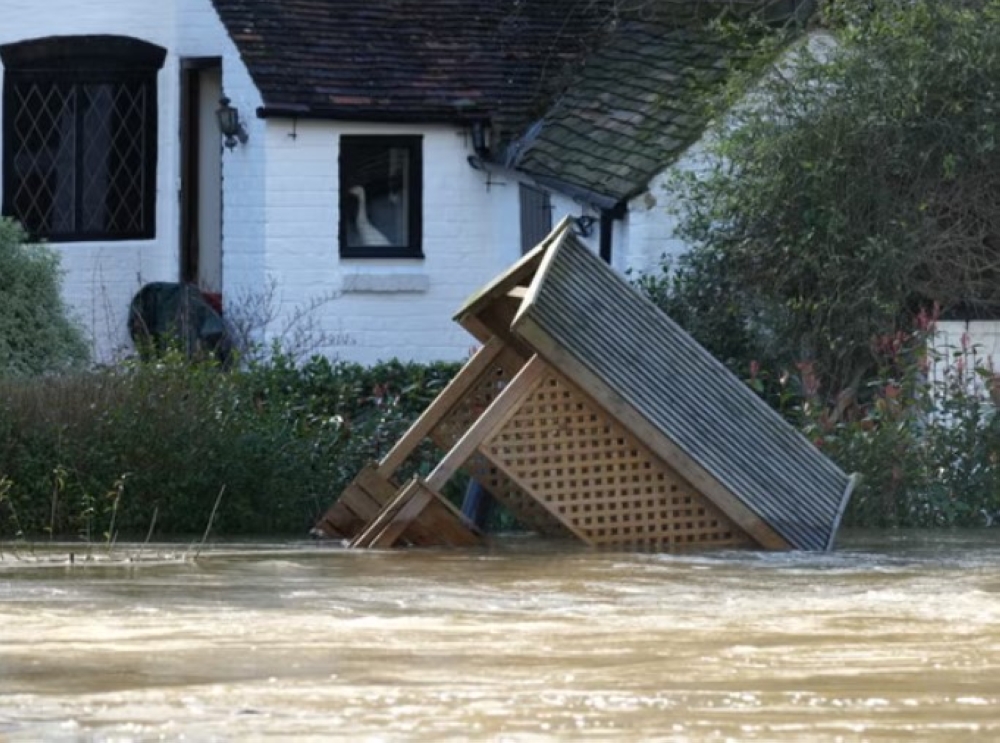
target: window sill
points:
(386, 283)
(381, 252)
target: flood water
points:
(892, 637)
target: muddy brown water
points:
(892, 637)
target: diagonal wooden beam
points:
(493, 418)
(376, 526)
(415, 500)
(440, 407)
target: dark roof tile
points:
(417, 60)
(633, 108)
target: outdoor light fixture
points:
(584, 225)
(230, 125)
(480, 143)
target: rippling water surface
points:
(889, 638)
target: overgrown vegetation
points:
(122, 444)
(927, 444)
(36, 334)
(850, 193)
(856, 185)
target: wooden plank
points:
(384, 517)
(537, 281)
(503, 406)
(379, 487)
(426, 519)
(687, 467)
(360, 503)
(852, 483)
(415, 498)
(517, 274)
(440, 407)
(349, 514)
(495, 320)
(453, 529)
(476, 328)
(436, 526)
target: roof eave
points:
(589, 196)
(375, 115)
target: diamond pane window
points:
(79, 137)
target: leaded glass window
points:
(79, 137)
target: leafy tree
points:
(36, 333)
(859, 184)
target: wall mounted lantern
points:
(230, 125)
(481, 138)
(584, 225)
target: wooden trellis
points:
(588, 413)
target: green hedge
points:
(165, 437)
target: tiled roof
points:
(409, 60)
(631, 111)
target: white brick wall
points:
(280, 220)
(100, 278)
(465, 243)
(962, 347)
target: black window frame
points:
(75, 62)
(413, 143)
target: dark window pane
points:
(376, 179)
(79, 136)
(43, 149)
(381, 181)
(113, 154)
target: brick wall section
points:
(379, 309)
(100, 278)
(280, 220)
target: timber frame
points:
(590, 415)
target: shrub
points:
(857, 183)
(927, 444)
(36, 333)
(167, 436)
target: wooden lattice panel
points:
(528, 511)
(601, 482)
(480, 394)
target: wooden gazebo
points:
(588, 413)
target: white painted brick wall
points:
(652, 219)
(467, 239)
(976, 343)
(100, 278)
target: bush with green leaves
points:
(856, 184)
(927, 444)
(36, 332)
(164, 437)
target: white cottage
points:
(381, 161)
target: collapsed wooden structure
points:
(589, 413)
